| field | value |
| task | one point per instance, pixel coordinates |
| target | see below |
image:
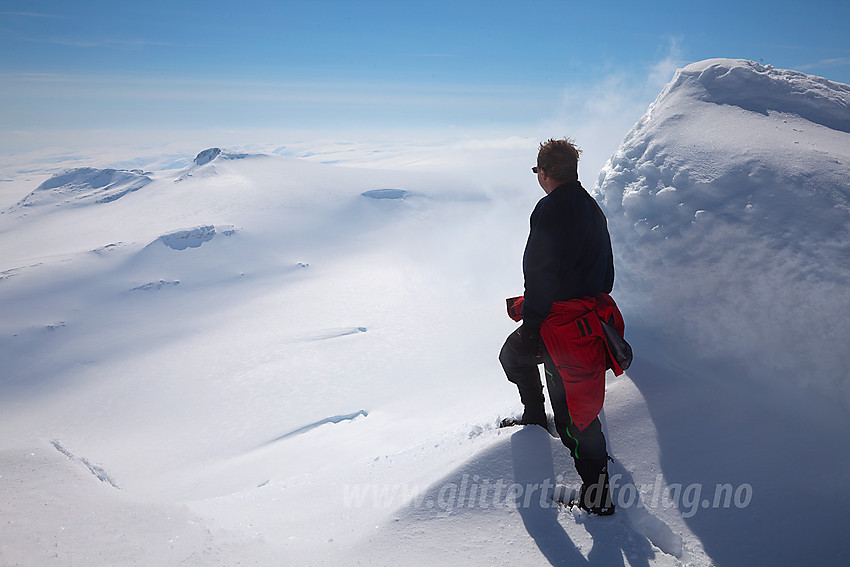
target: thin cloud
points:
(836, 62)
(662, 71)
(428, 54)
(253, 89)
(108, 42)
(33, 15)
(599, 114)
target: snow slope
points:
(256, 359)
(728, 208)
(736, 182)
(85, 185)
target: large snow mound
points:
(84, 186)
(762, 88)
(729, 206)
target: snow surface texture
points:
(737, 181)
(271, 361)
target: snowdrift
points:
(729, 205)
(728, 209)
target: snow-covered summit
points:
(86, 185)
(203, 163)
(763, 88)
(729, 204)
(207, 156)
(210, 154)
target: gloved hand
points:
(529, 344)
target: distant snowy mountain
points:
(729, 203)
(201, 164)
(85, 185)
(274, 361)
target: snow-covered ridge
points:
(729, 205)
(762, 88)
(193, 237)
(400, 194)
(210, 154)
(85, 186)
(203, 164)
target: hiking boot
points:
(595, 498)
(535, 417)
(528, 418)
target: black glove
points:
(529, 344)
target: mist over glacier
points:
(242, 355)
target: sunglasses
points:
(535, 169)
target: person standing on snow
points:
(569, 271)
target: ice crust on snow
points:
(729, 206)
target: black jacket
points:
(568, 254)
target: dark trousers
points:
(587, 446)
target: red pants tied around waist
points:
(575, 340)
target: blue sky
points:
(326, 64)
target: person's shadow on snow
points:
(534, 471)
